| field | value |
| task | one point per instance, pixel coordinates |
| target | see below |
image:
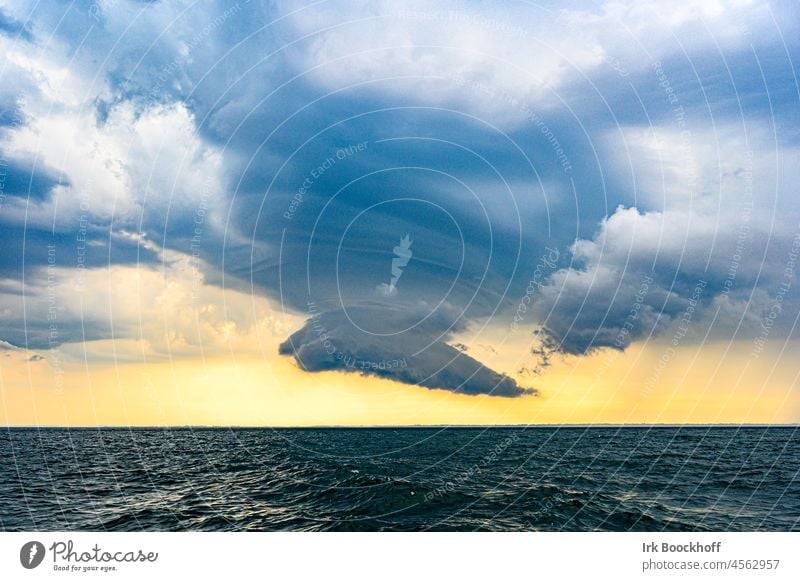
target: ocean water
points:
(408, 479)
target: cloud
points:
(409, 347)
(717, 233)
(149, 311)
(6, 346)
(13, 27)
(491, 60)
(10, 350)
(135, 120)
(134, 164)
(85, 153)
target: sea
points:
(401, 479)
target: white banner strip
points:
(371, 556)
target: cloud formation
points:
(410, 347)
(719, 235)
(284, 150)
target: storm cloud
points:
(725, 239)
(288, 150)
(410, 347)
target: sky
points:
(365, 213)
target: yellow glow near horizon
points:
(606, 387)
(162, 378)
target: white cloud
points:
(116, 168)
(724, 214)
(488, 60)
(140, 153)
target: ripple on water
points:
(401, 479)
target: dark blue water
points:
(510, 479)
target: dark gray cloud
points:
(647, 273)
(22, 178)
(410, 347)
(582, 310)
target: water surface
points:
(407, 479)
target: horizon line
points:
(391, 426)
